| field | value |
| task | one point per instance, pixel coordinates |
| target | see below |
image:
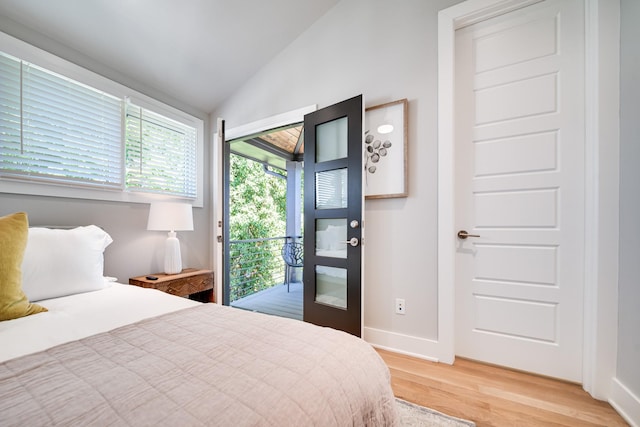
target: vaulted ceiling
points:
(195, 51)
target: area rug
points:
(412, 415)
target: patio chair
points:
(293, 255)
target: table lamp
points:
(171, 217)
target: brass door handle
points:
(462, 234)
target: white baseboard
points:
(625, 403)
(421, 348)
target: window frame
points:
(41, 58)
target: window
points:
(56, 130)
(160, 153)
(84, 137)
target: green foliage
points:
(258, 210)
(258, 201)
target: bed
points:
(124, 355)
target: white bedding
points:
(78, 316)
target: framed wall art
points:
(385, 150)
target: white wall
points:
(135, 250)
(386, 51)
(628, 371)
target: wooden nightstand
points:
(191, 282)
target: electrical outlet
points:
(400, 306)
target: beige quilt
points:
(207, 365)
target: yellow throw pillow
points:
(14, 230)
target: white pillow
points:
(64, 262)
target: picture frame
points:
(385, 149)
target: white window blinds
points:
(54, 129)
(160, 153)
(57, 130)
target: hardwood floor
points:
(494, 396)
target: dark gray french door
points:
(333, 203)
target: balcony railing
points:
(255, 265)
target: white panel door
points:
(520, 188)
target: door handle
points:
(353, 242)
(462, 234)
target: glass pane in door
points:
(331, 140)
(331, 189)
(331, 286)
(331, 235)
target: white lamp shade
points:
(170, 216)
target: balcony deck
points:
(276, 301)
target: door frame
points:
(602, 29)
(217, 178)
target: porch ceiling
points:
(273, 148)
(286, 139)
